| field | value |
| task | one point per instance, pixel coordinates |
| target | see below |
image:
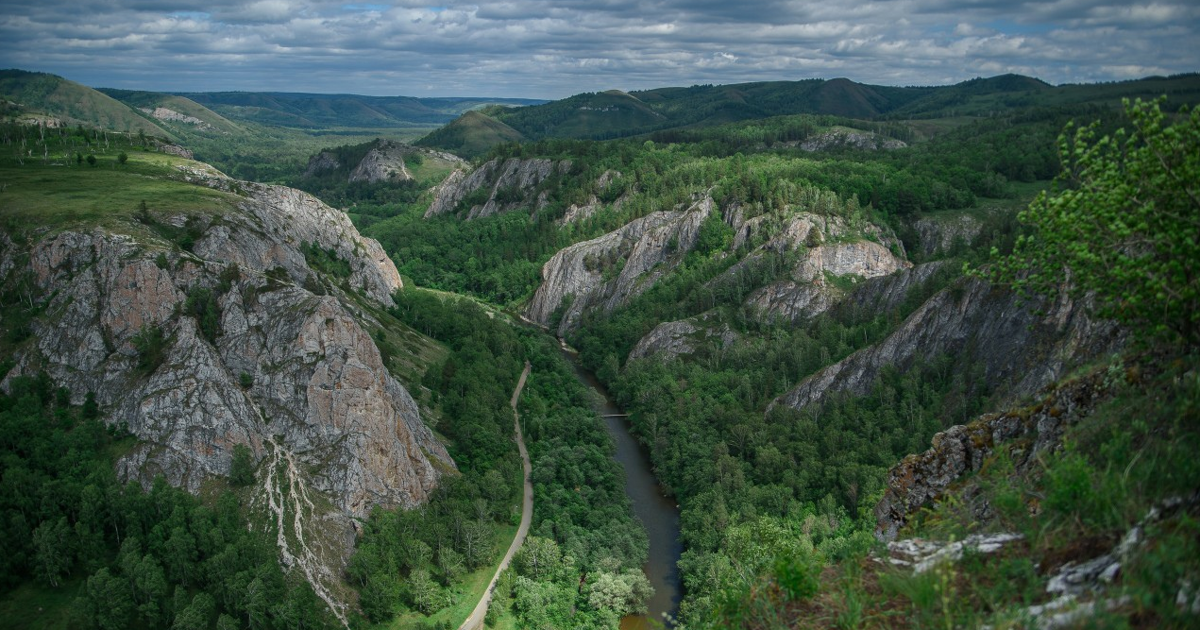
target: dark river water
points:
(659, 514)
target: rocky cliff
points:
(606, 272)
(830, 255)
(510, 184)
(1027, 432)
(1019, 347)
(669, 340)
(200, 333)
(847, 139)
(384, 161)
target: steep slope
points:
(606, 272)
(496, 186)
(245, 323)
(1019, 348)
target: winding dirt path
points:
(475, 621)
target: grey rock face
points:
(830, 247)
(939, 236)
(862, 140)
(514, 176)
(320, 163)
(669, 340)
(384, 163)
(606, 272)
(1019, 350)
(170, 115)
(315, 394)
(886, 293)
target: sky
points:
(552, 49)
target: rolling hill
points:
(48, 96)
(617, 114)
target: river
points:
(658, 513)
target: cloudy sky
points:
(551, 49)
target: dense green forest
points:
(776, 503)
(768, 497)
(499, 258)
(124, 556)
(581, 565)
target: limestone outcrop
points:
(238, 341)
(669, 340)
(384, 163)
(608, 271)
(830, 253)
(942, 235)
(1019, 348)
(170, 115)
(845, 138)
(510, 183)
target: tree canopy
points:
(1122, 225)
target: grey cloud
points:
(530, 48)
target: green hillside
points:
(616, 114)
(72, 103)
(183, 105)
(341, 110)
(471, 135)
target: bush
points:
(152, 348)
(241, 468)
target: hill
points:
(174, 112)
(55, 98)
(616, 114)
(342, 110)
(471, 135)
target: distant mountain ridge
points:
(344, 110)
(614, 114)
(44, 96)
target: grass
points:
(34, 606)
(37, 195)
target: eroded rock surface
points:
(278, 359)
(828, 249)
(608, 271)
(1018, 349)
(509, 182)
(920, 479)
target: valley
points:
(821, 331)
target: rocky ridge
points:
(510, 182)
(669, 340)
(170, 115)
(844, 138)
(256, 347)
(608, 271)
(1019, 348)
(828, 249)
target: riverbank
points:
(658, 513)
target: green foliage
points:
(152, 348)
(70, 524)
(201, 303)
(715, 236)
(241, 467)
(326, 261)
(122, 158)
(1122, 225)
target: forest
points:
(777, 500)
